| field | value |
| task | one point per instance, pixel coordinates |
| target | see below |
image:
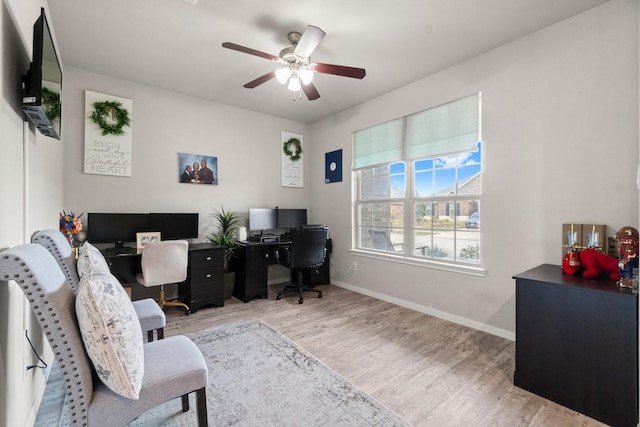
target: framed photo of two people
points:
(197, 169)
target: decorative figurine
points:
(627, 238)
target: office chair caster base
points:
(301, 300)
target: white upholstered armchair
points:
(172, 367)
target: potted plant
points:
(226, 223)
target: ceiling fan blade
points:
(250, 51)
(340, 70)
(260, 80)
(311, 91)
(309, 42)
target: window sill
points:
(471, 270)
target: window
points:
(419, 184)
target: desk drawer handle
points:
(208, 276)
(208, 258)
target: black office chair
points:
(307, 250)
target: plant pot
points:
(229, 282)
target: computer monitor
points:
(291, 218)
(116, 228)
(173, 226)
(263, 219)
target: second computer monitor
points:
(291, 218)
(174, 226)
(263, 219)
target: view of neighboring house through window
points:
(419, 183)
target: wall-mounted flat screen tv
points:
(42, 84)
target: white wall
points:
(247, 145)
(31, 192)
(560, 126)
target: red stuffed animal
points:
(592, 262)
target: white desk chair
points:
(164, 263)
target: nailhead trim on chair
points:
(77, 398)
(48, 243)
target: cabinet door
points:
(251, 268)
(206, 283)
(578, 347)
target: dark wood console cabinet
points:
(205, 277)
(577, 343)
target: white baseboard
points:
(503, 333)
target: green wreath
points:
(51, 103)
(119, 117)
(298, 147)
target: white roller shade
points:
(377, 145)
(450, 128)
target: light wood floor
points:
(429, 371)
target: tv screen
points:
(291, 218)
(261, 219)
(42, 85)
(174, 226)
(116, 228)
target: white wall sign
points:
(107, 154)
(292, 171)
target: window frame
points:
(409, 201)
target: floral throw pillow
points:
(111, 333)
(91, 261)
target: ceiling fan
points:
(297, 70)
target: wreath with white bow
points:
(297, 146)
(119, 117)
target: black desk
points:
(205, 274)
(577, 343)
(251, 265)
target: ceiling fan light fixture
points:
(283, 74)
(306, 75)
(294, 84)
(296, 68)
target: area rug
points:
(258, 377)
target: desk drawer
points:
(206, 258)
(205, 283)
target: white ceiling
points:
(176, 44)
